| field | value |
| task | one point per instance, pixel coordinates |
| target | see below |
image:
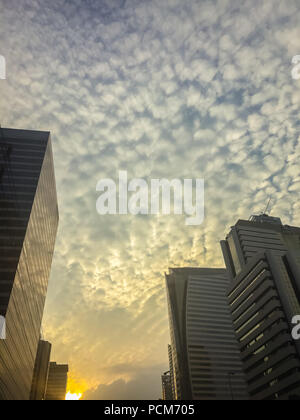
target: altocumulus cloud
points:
(199, 89)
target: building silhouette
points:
(205, 354)
(166, 386)
(262, 257)
(57, 382)
(28, 225)
(41, 371)
(171, 370)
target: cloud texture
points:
(166, 88)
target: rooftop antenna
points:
(252, 217)
(268, 205)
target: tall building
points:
(28, 225)
(205, 355)
(41, 371)
(171, 370)
(263, 261)
(57, 382)
(166, 386)
(260, 233)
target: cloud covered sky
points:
(166, 88)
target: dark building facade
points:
(171, 371)
(28, 226)
(263, 261)
(205, 354)
(166, 386)
(57, 382)
(41, 371)
(260, 233)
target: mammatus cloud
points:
(172, 89)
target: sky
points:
(161, 89)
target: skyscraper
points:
(28, 225)
(263, 261)
(260, 233)
(206, 360)
(41, 371)
(171, 370)
(166, 386)
(57, 382)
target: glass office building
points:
(171, 367)
(28, 226)
(260, 233)
(263, 261)
(206, 361)
(166, 385)
(41, 371)
(57, 382)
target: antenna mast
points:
(265, 212)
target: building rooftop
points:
(265, 218)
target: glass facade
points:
(176, 286)
(262, 302)
(263, 299)
(205, 354)
(57, 382)
(28, 226)
(166, 386)
(261, 233)
(41, 371)
(234, 255)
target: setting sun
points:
(73, 397)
